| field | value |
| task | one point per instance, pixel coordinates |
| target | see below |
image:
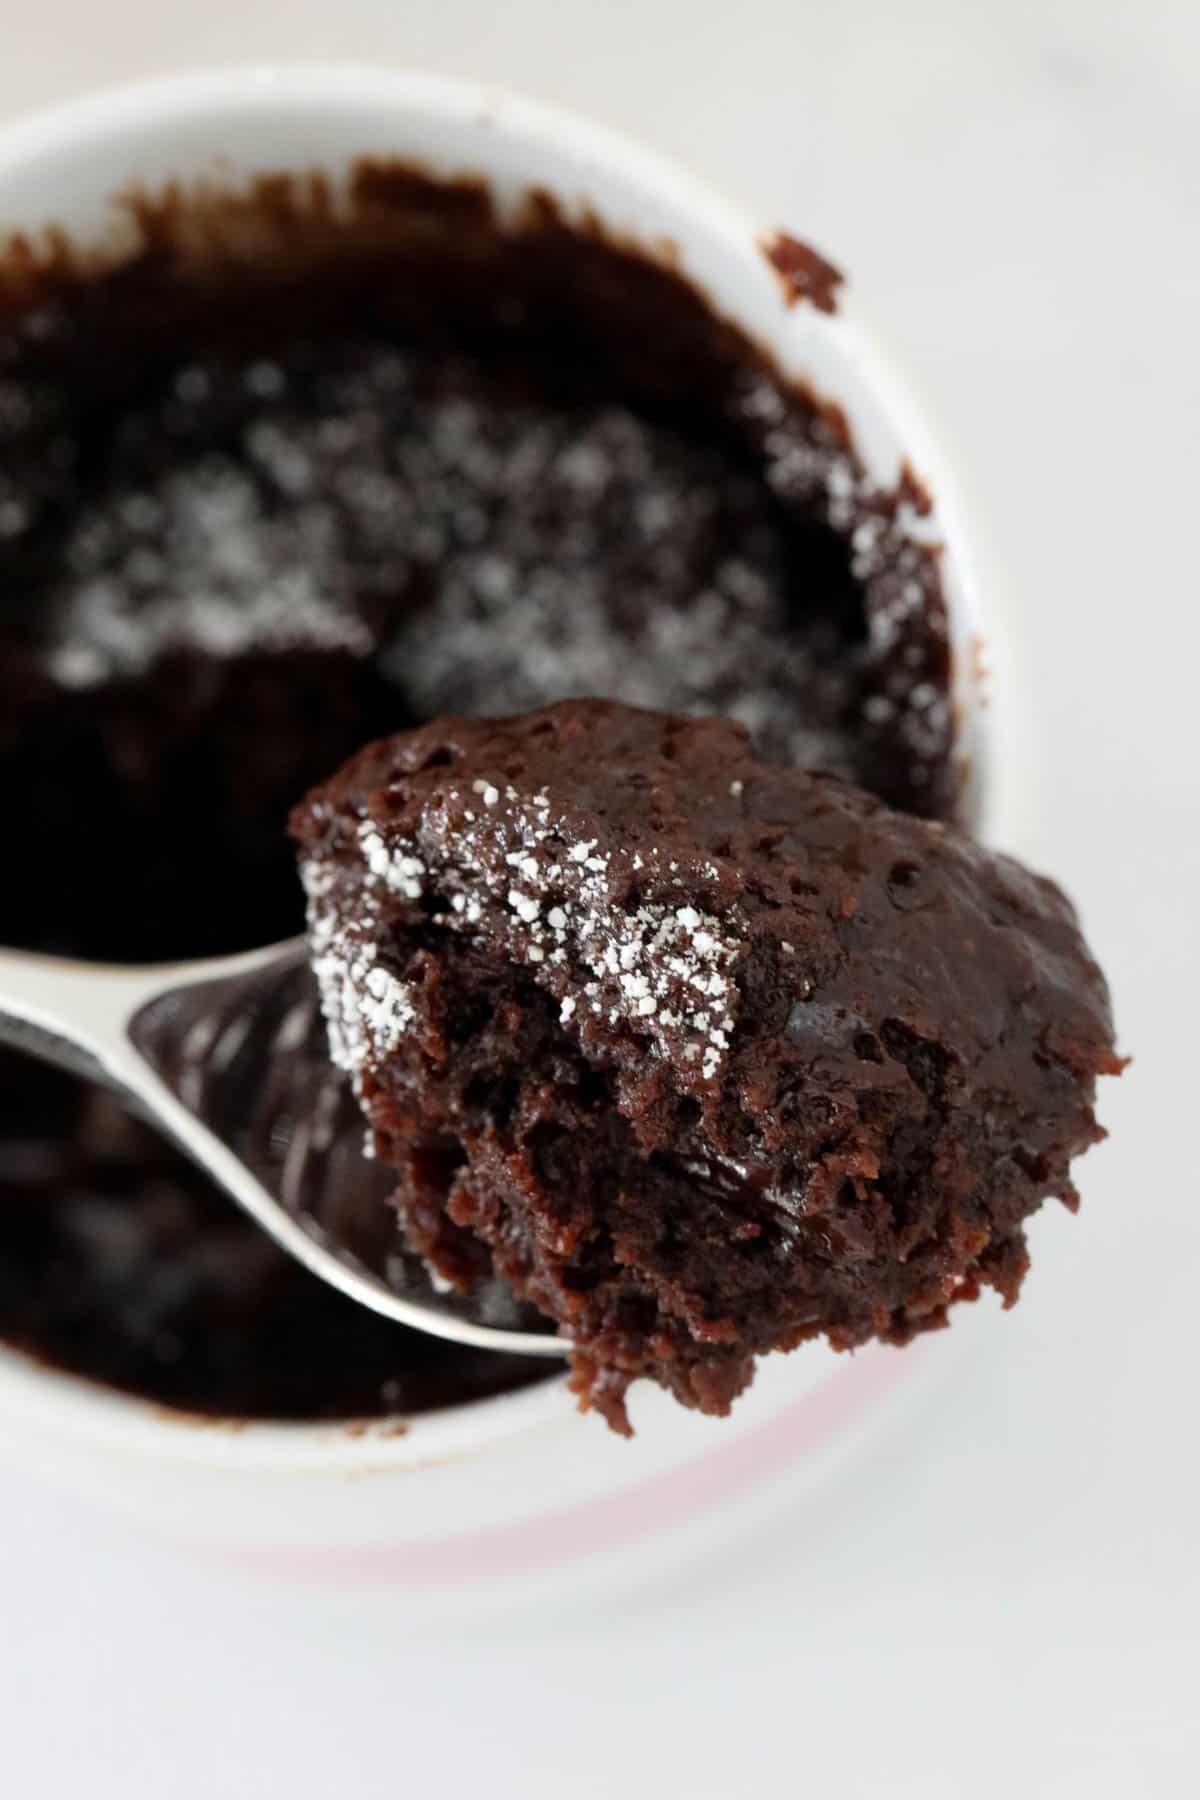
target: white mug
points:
(505, 1486)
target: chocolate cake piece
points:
(705, 1055)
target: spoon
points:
(228, 1057)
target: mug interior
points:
(70, 170)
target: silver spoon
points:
(227, 1056)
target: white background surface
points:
(1003, 1597)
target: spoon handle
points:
(101, 1021)
(83, 1017)
(77, 1014)
(69, 1013)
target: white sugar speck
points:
(523, 905)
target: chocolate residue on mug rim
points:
(806, 274)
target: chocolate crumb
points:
(807, 275)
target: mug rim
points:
(151, 109)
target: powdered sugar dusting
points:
(665, 970)
(192, 563)
(490, 553)
(367, 1008)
